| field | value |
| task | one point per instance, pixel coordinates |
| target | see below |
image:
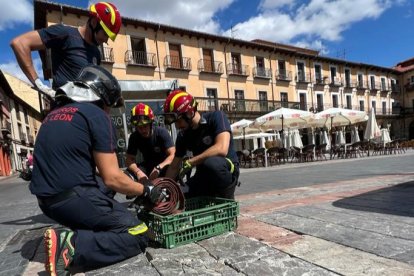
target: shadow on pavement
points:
(30, 220)
(395, 200)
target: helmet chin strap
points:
(94, 31)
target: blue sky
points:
(377, 32)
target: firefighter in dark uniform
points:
(154, 143)
(208, 136)
(74, 140)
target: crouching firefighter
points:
(208, 136)
(75, 139)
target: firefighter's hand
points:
(41, 87)
(185, 169)
(153, 193)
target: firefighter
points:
(73, 140)
(72, 48)
(154, 142)
(208, 136)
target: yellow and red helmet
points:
(177, 104)
(142, 114)
(108, 17)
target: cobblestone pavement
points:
(346, 217)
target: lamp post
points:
(330, 137)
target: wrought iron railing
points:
(283, 75)
(237, 69)
(261, 72)
(209, 66)
(302, 77)
(176, 62)
(107, 54)
(140, 58)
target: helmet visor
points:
(140, 120)
(170, 118)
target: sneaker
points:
(59, 251)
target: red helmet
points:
(178, 103)
(108, 17)
(141, 114)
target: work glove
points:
(153, 193)
(42, 88)
(185, 169)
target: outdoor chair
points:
(308, 152)
(273, 155)
(320, 152)
(259, 156)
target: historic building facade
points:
(245, 79)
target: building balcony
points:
(248, 108)
(302, 77)
(31, 139)
(283, 75)
(23, 138)
(409, 86)
(237, 69)
(319, 80)
(261, 72)
(107, 54)
(395, 88)
(208, 66)
(177, 63)
(140, 58)
(359, 85)
(336, 81)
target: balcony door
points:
(175, 56)
(208, 60)
(263, 103)
(139, 55)
(212, 102)
(239, 105)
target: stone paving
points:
(343, 227)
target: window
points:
(374, 105)
(301, 71)
(175, 56)
(212, 102)
(21, 134)
(384, 108)
(372, 82)
(263, 101)
(260, 66)
(139, 55)
(16, 106)
(302, 101)
(348, 102)
(239, 105)
(282, 69)
(26, 116)
(334, 100)
(347, 78)
(361, 106)
(236, 64)
(360, 81)
(284, 99)
(319, 102)
(383, 85)
(318, 73)
(333, 74)
(208, 60)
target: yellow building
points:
(245, 79)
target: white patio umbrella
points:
(372, 130)
(254, 136)
(340, 138)
(334, 117)
(284, 118)
(243, 127)
(296, 140)
(354, 135)
(385, 136)
(326, 140)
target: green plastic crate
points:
(203, 217)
